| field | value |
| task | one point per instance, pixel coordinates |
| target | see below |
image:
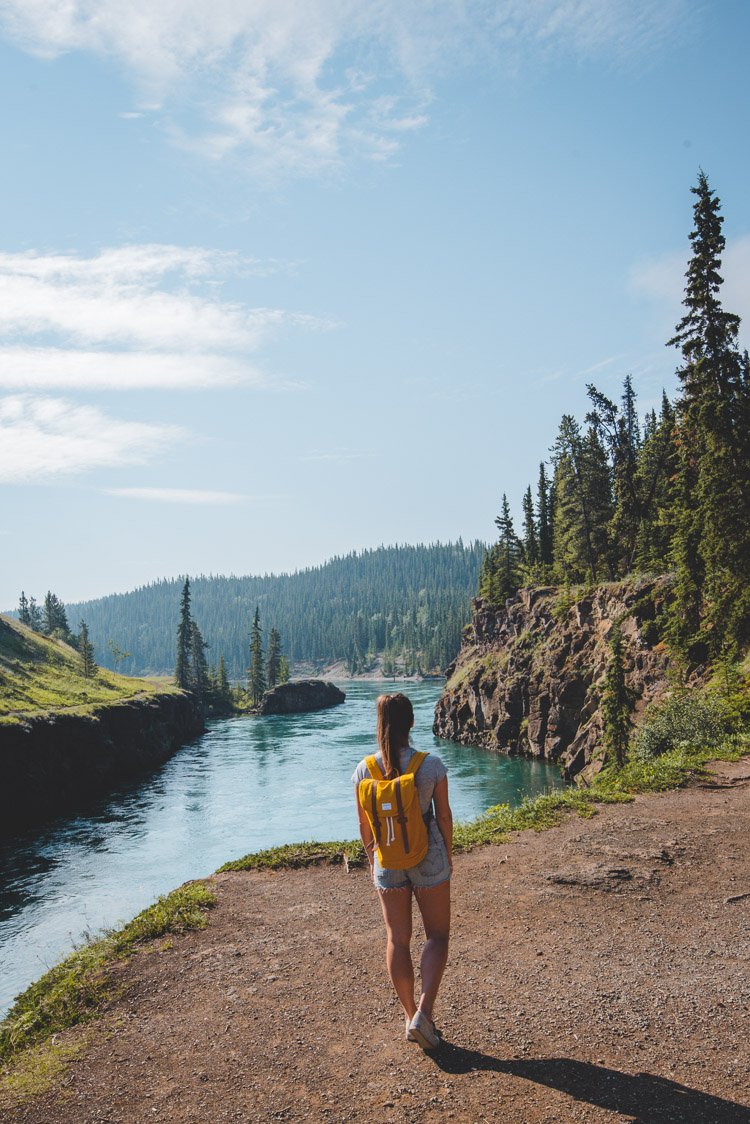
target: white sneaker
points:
(423, 1031)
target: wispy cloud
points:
(178, 495)
(299, 86)
(36, 368)
(41, 438)
(134, 316)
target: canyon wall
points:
(528, 678)
(51, 765)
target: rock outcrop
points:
(528, 678)
(301, 695)
(53, 764)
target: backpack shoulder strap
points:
(375, 770)
(416, 761)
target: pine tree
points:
(273, 661)
(619, 429)
(86, 651)
(223, 688)
(182, 675)
(530, 534)
(506, 577)
(544, 521)
(485, 578)
(712, 540)
(198, 676)
(24, 615)
(256, 676)
(583, 505)
(55, 621)
(617, 701)
(658, 464)
(36, 619)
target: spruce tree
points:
(36, 619)
(617, 703)
(485, 579)
(583, 505)
(256, 677)
(506, 577)
(86, 651)
(55, 620)
(198, 674)
(619, 429)
(223, 688)
(530, 534)
(24, 615)
(184, 641)
(712, 540)
(658, 466)
(544, 521)
(273, 662)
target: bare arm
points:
(444, 816)
(365, 831)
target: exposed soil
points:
(598, 971)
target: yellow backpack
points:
(392, 807)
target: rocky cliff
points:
(50, 765)
(301, 695)
(528, 677)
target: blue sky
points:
(279, 280)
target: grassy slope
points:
(40, 676)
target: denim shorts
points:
(433, 869)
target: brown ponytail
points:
(395, 720)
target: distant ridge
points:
(406, 602)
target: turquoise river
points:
(246, 784)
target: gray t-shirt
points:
(430, 772)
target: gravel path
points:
(598, 972)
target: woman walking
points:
(428, 879)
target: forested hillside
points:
(666, 492)
(408, 603)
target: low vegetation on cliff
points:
(41, 675)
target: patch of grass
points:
(33, 1071)
(462, 673)
(292, 856)
(538, 813)
(673, 769)
(73, 991)
(39, 675)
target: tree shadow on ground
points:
(646, 1097)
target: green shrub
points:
(651, 632)
(688, 720)
(563, 605)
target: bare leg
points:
(435, 906)
(396, 906)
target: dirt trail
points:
(598, 972)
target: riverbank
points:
(68, 733)
(597, 972)
(54, 763)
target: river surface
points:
(246, 784)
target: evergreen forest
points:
(666, 492)
(405, 604)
